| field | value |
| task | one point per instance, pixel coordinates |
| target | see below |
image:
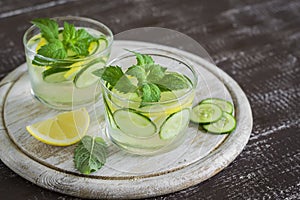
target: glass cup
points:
(67, 83)
(156, 127)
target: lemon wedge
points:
(62, 130)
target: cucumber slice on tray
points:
(174, 124)
(206, 113)
(226, 106)
(215, 115)
(226, 124)
(133, 123)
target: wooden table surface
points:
(257, 42)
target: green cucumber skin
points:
(53, 71)
(136, 112)
(96, 48)
(109, 113)
(206, 126)
(130, 110)
(83, 70)
(209, 100)
(166, 120)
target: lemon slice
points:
(64, 129)
(42, 42)
(74, 69)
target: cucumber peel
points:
(54, 75)
(226, 106)
(174, 124)
(215, 115)
(134, 123)
(226, 124)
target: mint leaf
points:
(110, 74)
(90, 154)
(116, 78)
(142, 59)
(162, 88)
(77, 40)
(150, 73)
(174, 81)
(138, 72)
(124, 85)
(54, 50)
(152, 79)
(48, 28)
(155, 73)
(69, 33)
(150, 93)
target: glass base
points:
(146, 151)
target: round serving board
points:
(124, 175)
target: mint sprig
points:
(72, 40)
(155, 73)
(115, 77)
(152, 79)
(150, 93)
(77, 40)
(173, 81)
(90, 154)
(142, 59)
(48, 28)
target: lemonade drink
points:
(149, 127)
(67, 83)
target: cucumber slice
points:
(93, 48)
(55, 75)
(109, 115)
(174, 124)
(85, 78)
(223, 104)
(102, 44)
(226, 124)
(205, 113)
(74, 69)
(133, 123)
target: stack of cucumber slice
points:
(215, 115)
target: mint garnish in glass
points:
(61, 53)
(147, 100)
(152, 79)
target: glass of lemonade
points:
(67, 83)
(155, 127)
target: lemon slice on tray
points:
(62, 130)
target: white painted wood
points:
(124, 175)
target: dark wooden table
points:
(257, 42)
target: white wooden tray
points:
(201, 156)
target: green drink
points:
(148, 104)
(60, 66)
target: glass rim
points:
(179, 97)
(84, 19)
